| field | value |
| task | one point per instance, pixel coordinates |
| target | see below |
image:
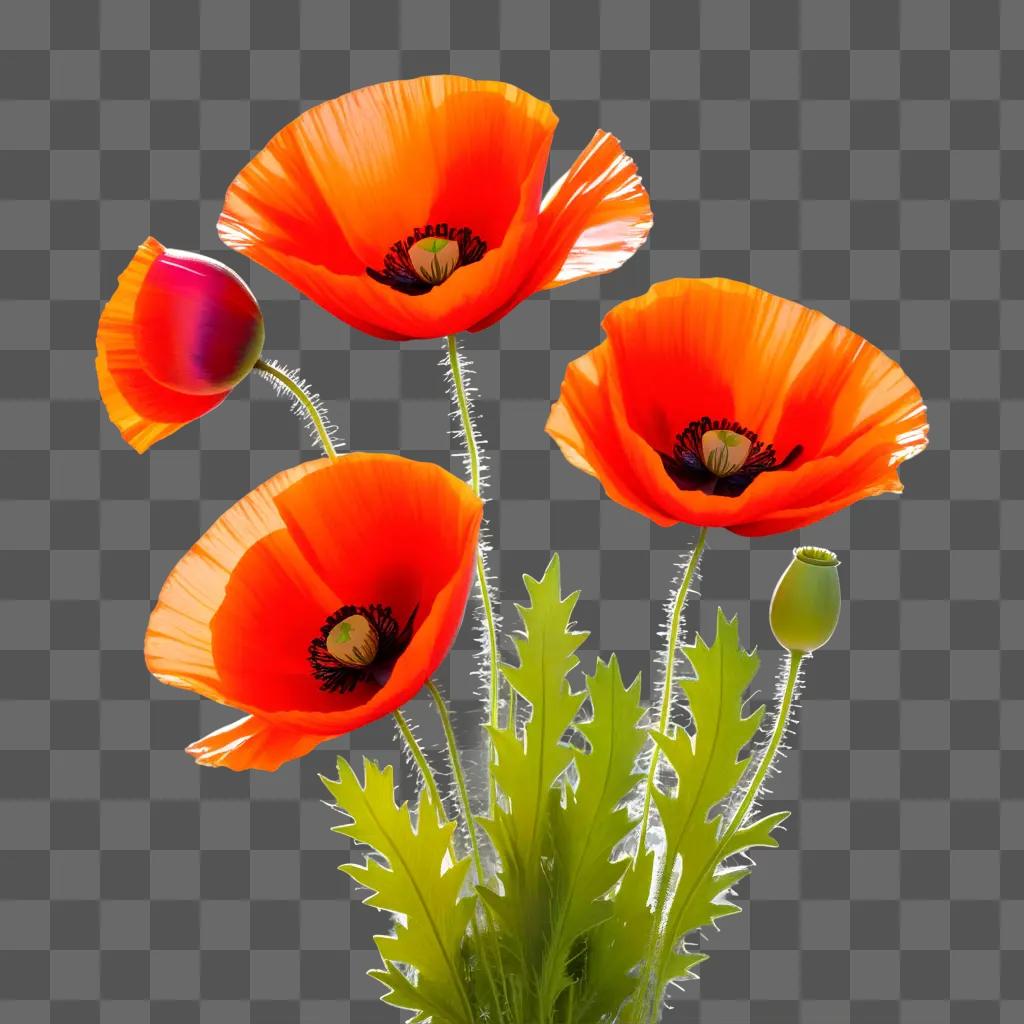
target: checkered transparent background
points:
(864, 157)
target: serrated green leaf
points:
(590, 823)
(708, 767)
(616, 946)
(527, 767)
(414, 882)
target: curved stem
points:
(460, 778)
(666, 692)
(472, 448)
(303, 399)
(492, 640)
(764, 766)
(421, 761)
(473, 454)
(460, 783)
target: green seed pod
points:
(805, 606)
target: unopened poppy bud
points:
(805, 606)
(179, 332)
(199, 328)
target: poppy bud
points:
(177, 335)
(199, 328)
(805, 606)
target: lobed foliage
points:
(572, 924)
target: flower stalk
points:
(457, 369)
(307, 405)
(418, 756)
(459, 776)
(678, 904)
(471, 828)
(665, 713)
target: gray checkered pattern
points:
(865, 157)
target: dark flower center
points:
(721, 457)
(357, 644)
(426, 258)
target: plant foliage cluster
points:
(572, 924)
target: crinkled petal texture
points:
(690, 348)
(143, 409)
(235, 618)
(334, 190)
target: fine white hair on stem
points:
(745, 801)
(664, 776)
(759, 749)
(464, 451)
(300, 410)
(671, 645)
(469, 389)
(410, 756)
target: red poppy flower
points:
(178, 334)
(714, 403)
(321, 601)
(414, 209)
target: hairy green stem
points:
(666, 692)
(649, 995)
(421, 762)
(473, 453)
(459, 775)
(472, 448)
(765, 764)
(471, 826)
(297, 393)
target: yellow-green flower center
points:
(434, 259)
(427, 257)
(724, 451)
(353, 641)
(721, 457)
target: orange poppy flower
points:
(414, 209)
(178, 334)
(321, 601)
(714, 403)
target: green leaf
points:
(528, 766)
(417, 881)
(589, 824)
(616, 946)
(709, 767)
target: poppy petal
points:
(383, 312)
(592, 220)
(437, 148)
(334, 191)
(143, 410)
(589, 424)
(711, 341)
(340, 522)
(252, 742)
(426, 650)
(725, 350)
(336, 188)
(732, 350)
(388, 542)
(251, 535)
(236, 617)
(601, 202)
